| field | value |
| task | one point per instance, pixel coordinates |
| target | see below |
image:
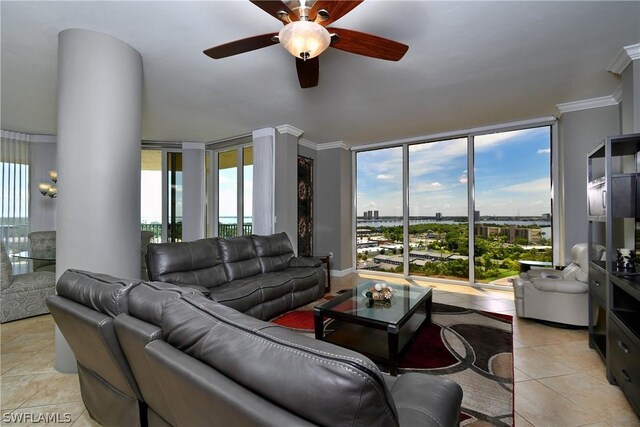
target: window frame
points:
(557, 207)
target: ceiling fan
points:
(304, 35)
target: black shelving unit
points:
(614, 294)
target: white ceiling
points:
(469, 64)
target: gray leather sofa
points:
(156, 354)
(256, 275)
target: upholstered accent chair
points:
(43, 242)
(554, 295)
(23, 295)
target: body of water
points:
(545, 226)
(233, 220)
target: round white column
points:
(99, 116)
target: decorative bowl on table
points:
(379, 291)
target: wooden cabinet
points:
(613, 212)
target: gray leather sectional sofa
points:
(157, 354)
(256, 275)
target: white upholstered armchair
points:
(559, 296)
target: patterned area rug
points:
(473, 348)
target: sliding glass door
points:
(151, 193)
(234, 191)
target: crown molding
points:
(624, 58)
(308, 144)
(332, 145)
(587, 104)
(291, 130)
(617, 94)
(319, 147)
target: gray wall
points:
(630, 104)
(333, 207)
(193, 192)
(578, 132)
(286, 186)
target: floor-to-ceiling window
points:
(14, 204)
(247, 190)
(438, 209)
(151, 193)
(234, 178)
(417, 204)
(379, 210)
(512, 202)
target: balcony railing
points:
(156, 229)
(229, 230)
(224, 230)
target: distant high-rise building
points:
(476, 215)
(375, 214)
(546, 216)
(438, 216)
(364, 215)
(370, 213)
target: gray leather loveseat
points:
(256, 275)
(157, 354)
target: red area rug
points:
(473, 348)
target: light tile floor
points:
(559, 380)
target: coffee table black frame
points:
(378, 331)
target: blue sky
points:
(512, 172)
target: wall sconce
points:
(49, 189)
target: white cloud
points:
(537, 185)
(544, 151)
(385, 177)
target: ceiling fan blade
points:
(272, 7)
(241, 46)
(308, 72)
(368, 45)
(336, 9)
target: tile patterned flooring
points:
(559, 380)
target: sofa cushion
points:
(239, 257)
(323, 383)
(274, 251)
(100, 292)
(186, 263)
(240, 295)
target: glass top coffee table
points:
(380, 330)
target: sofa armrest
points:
(560, 286)
(205, 291)
(305, 261)
(426, 400)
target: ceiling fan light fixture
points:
(304, 39)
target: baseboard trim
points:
(341, 273)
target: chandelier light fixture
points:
(304, 39)
(49, 189)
